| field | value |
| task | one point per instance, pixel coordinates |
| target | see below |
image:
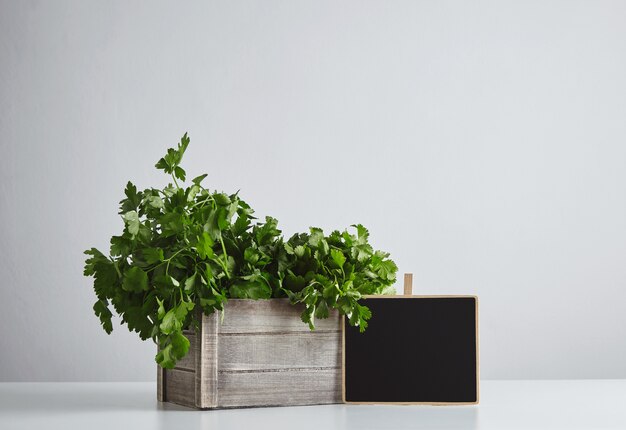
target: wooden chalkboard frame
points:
(409, 297)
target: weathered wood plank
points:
(206, 352)
(279, 351)
(179, 387)
(282, 388)
(160, 390)
(275, 315)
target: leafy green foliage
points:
(335, 271)
(186, 250)
(135, 280)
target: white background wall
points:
(483, 144)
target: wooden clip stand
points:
(408, 284)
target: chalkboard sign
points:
(416, 349)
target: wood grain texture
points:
(282, 388)
(160, 380)
(279, 351)
(261, 354)
(207, 353)
(179, 387)
(408, 284)
(274, 315)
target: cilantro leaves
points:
(185, 250)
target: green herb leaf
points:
(132, 222)
(180, 345)
(135, 280)
(198, 179)
(156, 202)
(153, 255)
(102, 311)
(221, 199)
(337, 257)
(174, 319)
(179, 173)
(190, 283)
(132, 200)
(205, 246)
(250, 290)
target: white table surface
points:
(581, 404)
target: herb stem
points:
(117, 269)
(203, 202)
(225, 267)
(167, 268)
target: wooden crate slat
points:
(302, 387)
(279, 351)
(178, 386)
(160, 382)
(207, 362)
(275, 315)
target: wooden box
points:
(261, 354)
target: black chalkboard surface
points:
(416, 349)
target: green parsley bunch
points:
(185, 248)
